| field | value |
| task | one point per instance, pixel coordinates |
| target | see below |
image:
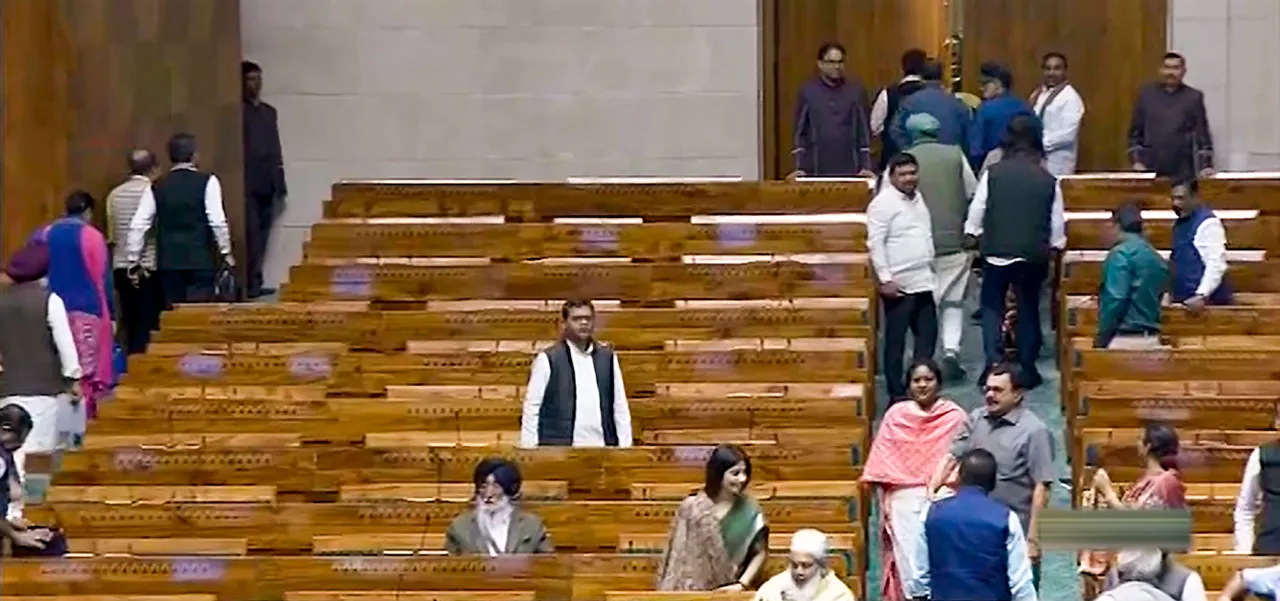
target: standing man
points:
(139, 290)
(1017, 214)
(1022, 447)
(972, 548)
(264, 183)
(942, 105)
(1060, 110)
(1199, 254)
(575, 395)
(1134, 278)
(890, 98)
(1169, 132)
(191, 226)
(946, 183)
(832, 133)
(900, 242)
(998, 109)
(1259, 497)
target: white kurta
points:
(1061, 120)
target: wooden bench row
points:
(347, 239)
(533, 202)
(561, 576)
(308, 470)
(285, 527)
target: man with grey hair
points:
(1151, 575)
(808, 578)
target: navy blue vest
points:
(968, 560)
(1186, 263)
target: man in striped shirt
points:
(139, 289)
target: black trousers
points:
(140, 307)
(1026, 279)
(260, 215)
(186, 286)
(917, 313)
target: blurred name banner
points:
(1103, 529)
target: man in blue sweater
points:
(999, 107)
(972, 547)
(952, 115)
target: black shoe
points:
(1031, 379)
(976, 317)
(952, 371)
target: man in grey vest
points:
(140, 298)
(947, 183)
(1018, 222)
(1151, 575)
(191, 227)
(575, 395)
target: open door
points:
(1112, 49)
(875, 33)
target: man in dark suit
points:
(264, 184)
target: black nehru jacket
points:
(184, 240)
(893, 99)
(1020, 195)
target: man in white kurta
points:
(808, 578)
(1060, 110)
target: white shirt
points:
(495, 525)
(1248, 503)
(213, 210)
(1211, 242)
(62, 338)
(1192, 590)
(880, 107)
(1061, 121)
(588, 430)
(978, 212)
(900, 239)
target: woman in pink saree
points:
(1160, 487)
(912, 439)
(80, 273)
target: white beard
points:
(806, 592)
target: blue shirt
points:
(1019, 564)
(989, 122)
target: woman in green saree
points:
(718, 539)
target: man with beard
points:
(1060, 110)
(832, 127)
(1199, 257)
(497, 526)
(808, 578)
(575, 396)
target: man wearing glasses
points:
(832, 127)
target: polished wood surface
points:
(1113, 49)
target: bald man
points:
(139, 289)
(808, 577)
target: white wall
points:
(1231, 48)
(537, 89)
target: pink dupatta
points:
(905, 452)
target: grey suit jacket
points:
(526, 535)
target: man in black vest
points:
(575, 395)
(191, 227)
(887, 101)
(1017, 212)
(1259, 497)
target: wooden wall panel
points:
(35, 57)
(875, 33)
(1113, 48)
(147, 69)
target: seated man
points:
(808, 578)
(1150, 573)
(1199, 257)
(575, 395)
(1133, 283)
(496, 526)
(26, 539)
(972, 547)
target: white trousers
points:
(1135, 343)
(904, 508)
(953, 280)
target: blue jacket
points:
(952, 115)
(971, 548)
(990, 121)
(1188, 265)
